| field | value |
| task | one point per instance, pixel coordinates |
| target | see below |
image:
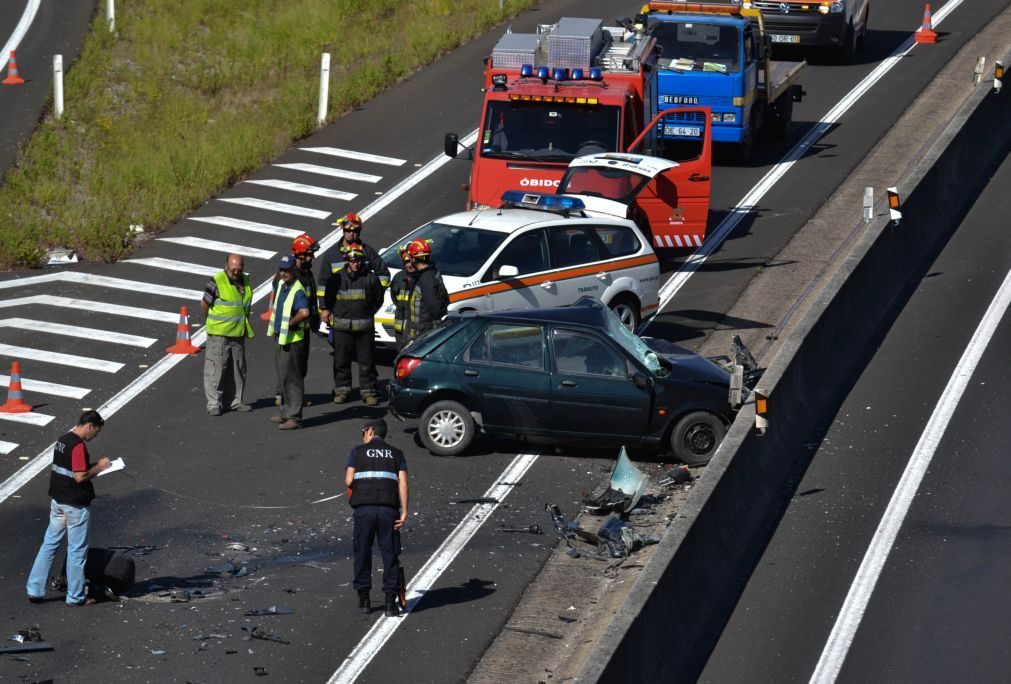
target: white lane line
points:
(279, 207)
(102, 281)
(222, 247)
(846, 625)
(747, 204)
(92, 306)
(173, 265)
(43, 387)
(305, 189)
(371, 643)
(58, 358)
(330, 171)
(251, 226)
(27, 17)
(77, 331)
(7, 447)
(360, 156)
(33, 418)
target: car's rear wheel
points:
(696, 436)
(446, 428)
(626, 308)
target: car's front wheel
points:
(626, 308)
(696, 436)
(446, 428)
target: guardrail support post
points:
(58, 85)
(324, 88)
(110, 15)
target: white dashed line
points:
(305, 189)
(77, 331)
(221, 248)
(279, 207)
(34, 418)
(42, 387)
(330, 171)
(251, 226)
(93, 306)
(61, 359)
(360, 156)
(102, 281)
(173, 265)
(7, 447)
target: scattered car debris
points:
(273, 610)
(620, 540)
(30, 635)
(478, 500)
(260, 671)
(566, 619)
(236, 546)
(256, 633)
(678, 475)
(59, 257)
(534, 632)
(208, 637)
(316, 564)
(531, 529)
(624, 489)
(157, 652)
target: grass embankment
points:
(188, 96)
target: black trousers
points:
(376, 523)
(348, 347)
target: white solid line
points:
(33, 418)
(747, 204)
(27, 17)
(173, 265)
(102, 281)
(329, 171)
(251, 226)
(360, 156)
(58, 358)
(222, 247)
(43, 387)
(279, 207)
(95, 307)
(77, 331)
(369, 646)
(7, 447)
(305, 189)
(846, 625)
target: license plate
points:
(687, 131)
(784, 38)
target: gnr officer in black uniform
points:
(377, 476)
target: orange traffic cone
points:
(265, 316)
(12, 72)
(925, 34)
(183, 344)
(15, 404)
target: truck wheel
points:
(848, 50)
(627, 310)
(784, 117)
(747, 147)
(696, 436)
(446, 428)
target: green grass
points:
(189, 96)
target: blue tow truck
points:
(716, 54)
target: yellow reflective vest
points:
(229, 315)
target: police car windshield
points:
(631, 342)
(456, 250)
(695, 46)
(548, 131)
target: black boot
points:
(364, 602)
(392, 609)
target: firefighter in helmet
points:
(428, 300)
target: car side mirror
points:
(640, 380)
(507, 271)
(451, 145)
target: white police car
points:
(537, 251)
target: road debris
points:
(531, 529)
(260, 671)
(273, 610)
(30, 635)
(256, 633)
(534, 632)
(478, 500)
(623, 491)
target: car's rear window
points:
(509, 345)
(619, 241)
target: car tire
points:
(746, 150)
(626, 308)
(848, 50)
(783, 122)
(446, 428)
(696, 437)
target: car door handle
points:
(698, 177)
(568, 383)
(471, 372)
(603, 275)
(547, 284)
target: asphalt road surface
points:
(938, 611)
(195, 483)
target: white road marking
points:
(277, 206)
(43, 387)
(173, 265)
(360, 156)
(305, 189)
(27, 17)
(77, 331)
(222, 247)
(102, 281)
(251, 226)
(33, 418)
(58, 358)
(747, 204)
(369, 646)
(7, 447)
(846, 625)
(93, 306)
(330, 171)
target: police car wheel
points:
(446, 428)
(627, 311)
(696, 436)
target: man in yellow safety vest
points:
(226, 304)
(288, 324)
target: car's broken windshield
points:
(632, 342)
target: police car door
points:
(576, 254)
(531, 287)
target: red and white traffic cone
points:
(925, 34)
(183, 344)
(12, 73)
(15, 404)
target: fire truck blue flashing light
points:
(577, 74)
(527, 70)
(596, 74)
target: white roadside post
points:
(58, 85)
(868, 204)
(324, 88)
(110, 15)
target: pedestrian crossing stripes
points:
(42, 387)
(77, 331)
(173, 265)
(221, 248)
(103, 281)
(279, 207)
(305, 189)
(33, 418)
(360, 156)
(95, 307)
(7, 447)
(251, 226)
(62, 359)
(330, 171)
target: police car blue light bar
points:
(527, 200)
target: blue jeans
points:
(75, 522)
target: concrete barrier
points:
(682, 599)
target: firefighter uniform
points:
(400, 293)
(427, 303)
(353, 298)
